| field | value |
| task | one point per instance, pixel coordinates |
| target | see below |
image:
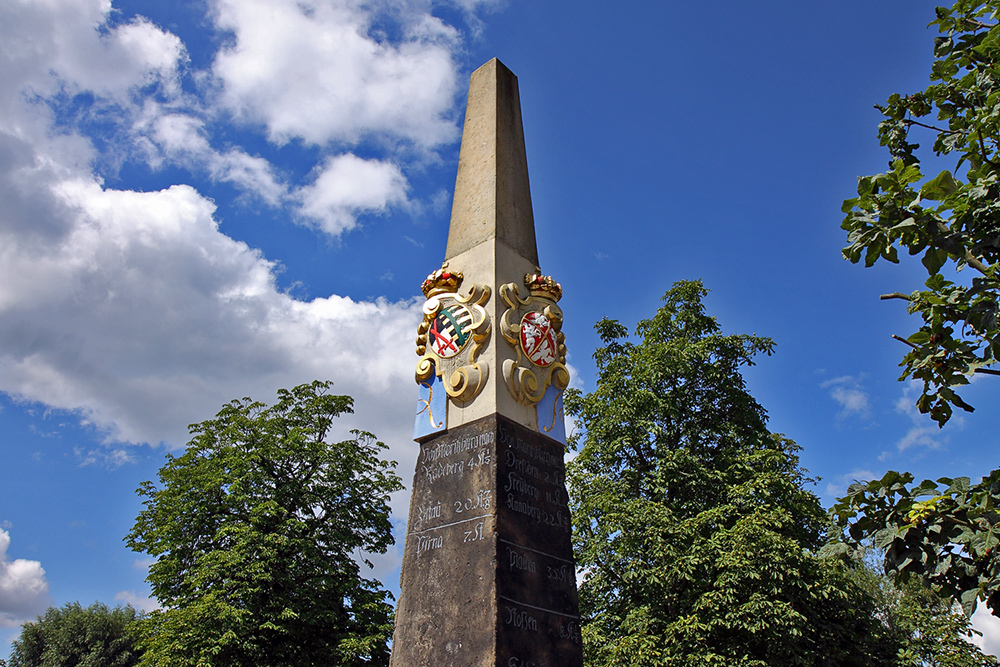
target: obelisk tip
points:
(492, 196)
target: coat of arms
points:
(533, 327)
(453, 332)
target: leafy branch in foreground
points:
(944, 533)
(951, 220)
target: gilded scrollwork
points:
(533, 327)
(453, 333)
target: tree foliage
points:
(952, 221)
(76, 636)
(945, 537)
(256, 529)
(691, 521)
(927, 628)
(942, 532)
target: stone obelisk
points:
(488, 577)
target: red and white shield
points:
(538, 340)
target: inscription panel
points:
(488, 577)
(447, 609)
(539, 621)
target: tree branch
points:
(969, 258)
(903, 340)
(987, 371)
(910, 121)
(895, 295)
(982, 150)
(977, 24)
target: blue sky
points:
(207, 199)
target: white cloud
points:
(989, 625)
(24, 592)
(111, 458)
(319, 70)
(143, 317)
(131, 310)
(850, 394)
(347, 185)
(137, 601)
(838, 487)
(67, 46)
(923, 432)
(182, 138)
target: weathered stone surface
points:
(488, 576)
(492, 197)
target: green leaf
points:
(968, 600)
(934, 259)
(940, 187)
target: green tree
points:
(951, 220)
(691, 521)
(928, 628)
(944, 535)
(74, 636)
(257, 529)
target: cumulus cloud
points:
(137, 600)
(131, 310)
(989, 625)
(347, 185)
(71, 42)
(143, 317)
(181, 138)
(849, 393)
(24, 592)
(320, 70)
(922, 433)
(838, 486)
(324, 71)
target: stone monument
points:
(488, 577)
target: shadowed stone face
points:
(488, 576)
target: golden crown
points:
(442, 281)
(539, 285)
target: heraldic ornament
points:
(533, 327)
(452, 334)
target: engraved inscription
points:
(516, 483)
(521, 619)
(476, 533)
(436, 471)
(522, 466)
(425, 543)
(462, 445)
(520, 561)
(554, 477)
(481, 501)
(570, 631)
(557, 520)
(437, 468)
(562, 574)
(482, 457)
(522, 507)
(430, 510)
(529, 449)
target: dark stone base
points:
(488, 577)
